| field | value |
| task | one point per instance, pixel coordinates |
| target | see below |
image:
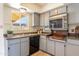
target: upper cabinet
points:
(59, 10)
(46, 18)
(44, 21)
(62, 9)
(53, 12)
(35, 19)
(73, 13)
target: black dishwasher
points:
(34, 44)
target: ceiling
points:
(40, 4)
(39, 7)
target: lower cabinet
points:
(18, 47)
(50, 46)
(72, 50)
(59, 49)
(25, 47)
(14, 50)
(14, 47)
(55, 47)
(43, 43)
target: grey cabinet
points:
(44, 21)
(35, 19)
(18, 47)
(73, 13)
(59, 49)
(53, 12)
(55, 47)
(50, 46)
(14, 50)
(24, 46)
(72, 50)
(62, 9)
(58, 10)
(43, 43)
(14, 47)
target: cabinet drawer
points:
(42, 37)
(13, 41)
(24, 39)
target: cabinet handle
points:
(64, 45)
(8, 48)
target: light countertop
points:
(24, 35)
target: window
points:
(19, 19)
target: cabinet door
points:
(14, 50)
(43, 41)
(59, 49)
(42, 19)
(62, 9)
(36, 19)
(72, 50)
(46, 18)
(53, 12)
(24, 46)
(73, 13)
(50, 47)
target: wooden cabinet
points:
(14, 47)
(43, 43)
(50, 46)
(24, 46)
(59, 49)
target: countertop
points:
(24, 35)
(54, 39)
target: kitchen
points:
(40, 29)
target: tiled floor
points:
(40, 53)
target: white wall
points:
(7, 18)
(2, 41)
